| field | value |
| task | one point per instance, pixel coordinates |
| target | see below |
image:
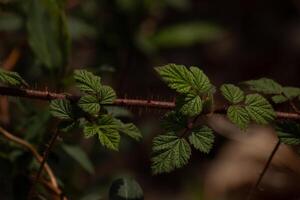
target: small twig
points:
(45, 95)
(45, 157)
(266, 167)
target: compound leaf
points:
(89, 104)
(170, 152)
(232, 93)
(202, 138)
(12, 78)
(62, 109)
(259, 109)
(87, 82)
(239, 116)
(265, 85)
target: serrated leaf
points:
(265, 85)
(110, 138)
(178, 77)
(62, 109)
(90, 130)
(191, 105)
(174, 121)
(201, 82)
(129, 129)
(79, 156)
(12, 78)
(87, 82)
(89, 104)
(107, 95)
(48, 34)
(202, 138)
(125, 188)
(291, 92)
(239, 116)
(170, 152)
(279, 99)
(184, 80)
(259, 109)
(232, 93)
(288, 132)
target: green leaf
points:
(265, 85)
(129, 129)
(174, 121)
(48, 34)
(62, 109)
(107, 95)
(288, 132)
(279, 99)
(239, 116)
(202, 138)
(191, 105)
(259, 109)
(89, 104)
(181, 79)
(170, 152)
(66, 126)
(11, 78)
(79, 156)
(90, 130)
(109, 138)
(178, 77)
(200, 81)
(291, 92)
(87, 82)
(125, 188)
(232, 93)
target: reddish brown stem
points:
(46, 95)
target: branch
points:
(47, 96)
(38, 157)
(266, 167)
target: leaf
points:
(279, 99)
(90, 130)
(259, 109)
(107, 95)
(62, 109)
(191, 105)
(265, 85)
(12, 78)
(181, 79)
(48, 34)
(178, 77)
(202, 138)
(239, 116)
(79, 156)
(66, 126)
(170, 152)
(232, 93)
(129, 129)
(200, 81)
(109, 138)
(125, 188)
(288, 132)
(174, 121)
(89, 104)
(291, 92)
(87, 82)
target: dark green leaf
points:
(239, 116)
(279, 99)
(11, 78)
(174, 121)
(107, 95)
(79, 156)
(125, 189)
(232, 93)
(89, 104)
(288, 132)
(62, 109)
(87, 82)
(170, 152)
(202, 138)
(291, 92)
(129, 129)
(191, 105)
(265, 85)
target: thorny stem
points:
(45, 157)
(46, 95)
(262, 174)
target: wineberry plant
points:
(172, 148)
